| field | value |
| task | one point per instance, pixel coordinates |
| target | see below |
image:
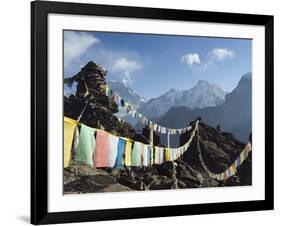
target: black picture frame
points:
(39, 116)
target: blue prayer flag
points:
(121, 148)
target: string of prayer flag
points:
(231, 170)
(99, 148)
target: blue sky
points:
(153, 64)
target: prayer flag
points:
(161, 155)
(75, 144)
(147, 151)
(136, 154)
(238, 161)
(126, 104)
(102, 149)
(121, 148)
(155, 127)
(128, 153)
(134, 113)
(227, 173)
(248, 148)
(242, 156)
(106, 90)
(151, 155)
(122, 102)
(113, 150)
(171, 154)
(167, 154)
(69, 127)
(156, 155)
(86, 146)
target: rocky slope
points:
(219, 149)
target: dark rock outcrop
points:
(92, 105)
(83, 179)
(219, 151)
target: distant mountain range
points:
(175, 108)
(203, 94)
(234, 115)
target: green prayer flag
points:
(136, 154)
(86, 146)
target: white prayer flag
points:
(155, 127)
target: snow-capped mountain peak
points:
(202, 83)
(127, 93)
(203, 94)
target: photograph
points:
(145, 111)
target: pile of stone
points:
(90, 104)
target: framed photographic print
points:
(144, 112)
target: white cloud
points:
(216, 55)
(220, 54)
(210, 61)
(126, 68)
(75, 44)
(191, 59)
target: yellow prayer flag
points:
(70, 120)
(234, 166)
(126, 104)
(128, 153)
(242, 156)
(167, 154)
(151, 155)
(69, 127)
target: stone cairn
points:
(90, 104)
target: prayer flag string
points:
(98, 148)
(232, 169)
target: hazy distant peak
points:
(245, 79)
(247, 76)
(202, 82)
(172, 90)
